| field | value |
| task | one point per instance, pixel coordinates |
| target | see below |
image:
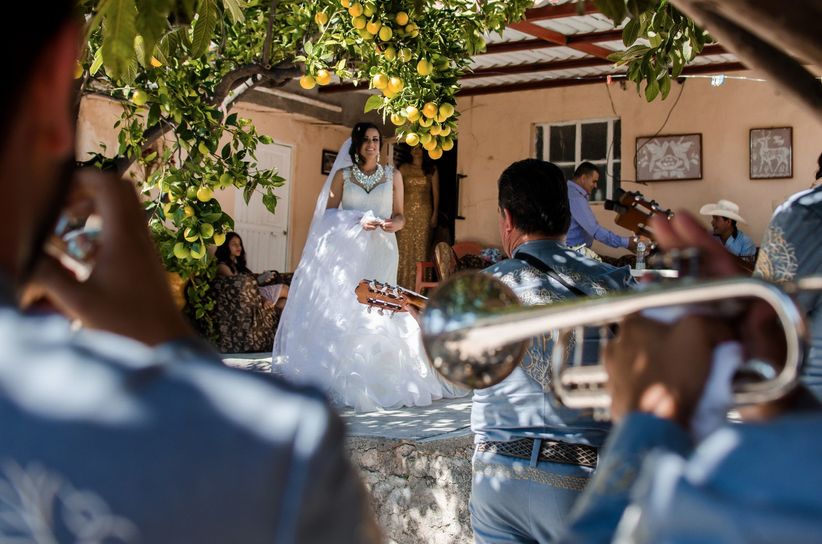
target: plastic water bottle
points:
(640, 255)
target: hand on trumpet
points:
(661, 369)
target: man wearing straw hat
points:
(724, 217)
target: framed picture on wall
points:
(771, 153)
(328, 161)
(673, 157)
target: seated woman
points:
(246, 314)
(231, 261)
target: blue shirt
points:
(163, 444)
(584, 227)
(521, 405)
(792, 249)
(740, 245)
(744, 483)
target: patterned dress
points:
(414, 239)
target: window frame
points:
(609, 160)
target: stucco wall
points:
(496, 130)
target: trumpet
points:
(475, 332)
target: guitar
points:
(634, 212)
(388, 298)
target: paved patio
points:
(448, 418)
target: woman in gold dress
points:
(422, 188)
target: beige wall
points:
(496, 130)
(306, 137)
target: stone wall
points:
(419, 489)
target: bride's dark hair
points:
(357, 139)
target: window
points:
(597, 141)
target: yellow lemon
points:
(395, 84)
(189, 211)
(379, 81)
(425, 138)
(206, 230)
(435, 130)
(401, 18)
(204, 194)
(78, 70)
(219, 238)
(345, 3)
(323, 76)
(373, 27)
(198, 251)
(365, 35)
(390, 53)
(412, 113)
(321, 18)
(429, 110)
(435, 153)
(388, 93)
(397, 119)
(190, 234)
(447, 144)
(355, 10)
(412, 139)
(359, 22)
(405, 54)
(368, 10)
(412, 30)
(139, 97)
(430, 145)
(307, 82)
(424, 67)
(167, 208)
(386, 33)
(447, 110)
(445, 131)
(181, 251)
(426, 122)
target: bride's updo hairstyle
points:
(358, 138)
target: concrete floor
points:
(446, 418)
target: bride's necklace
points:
(368, 181)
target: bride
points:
(325, 337)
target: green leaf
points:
(374, 101)
(266, 139)
(152, 24)
(204, 27)
(651, 90)
(270, 201)
(665, 86)
(231, 120)
(235, 10)
(248, 192)
(631, 32)
(96, 63)
(119, 31)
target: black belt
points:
(550, 450)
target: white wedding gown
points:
(326, 338)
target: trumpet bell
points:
(465, 299)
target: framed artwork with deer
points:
(771, 153)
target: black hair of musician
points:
(358, 138)
(223, 255)
(819, 162)
(584, 169)
(535, 192)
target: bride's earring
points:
(378, 156)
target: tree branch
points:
(269, 34)
(788, 74)
(277, 75)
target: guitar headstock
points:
(386, 297)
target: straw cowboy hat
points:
(723, 208)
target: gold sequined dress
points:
(414, 239)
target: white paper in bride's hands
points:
(369, 217)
